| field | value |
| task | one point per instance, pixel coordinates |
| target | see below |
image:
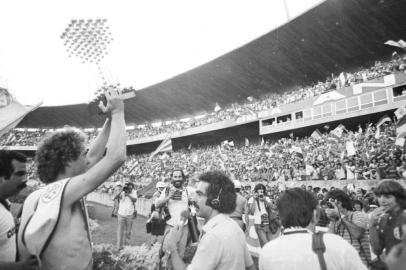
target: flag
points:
(338, 131)
(400, 141)
(217, 107)
(247, 142)
(297, 150)
(383, 119)
(400, 44)
(11, 111)
(400, 112)
(401, 127)
(342, 79)
(377, 133)
(350, 148)
(227, 144)
(165, 146)
(316, 134)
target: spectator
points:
(347, 219)
(386, 221)
(299, 212)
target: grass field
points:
(107, 230)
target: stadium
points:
(316, 103)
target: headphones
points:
(215, 203)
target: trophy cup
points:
(88, 40)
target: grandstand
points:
(267, 89)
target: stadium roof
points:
(333, 37)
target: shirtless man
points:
(71, 172)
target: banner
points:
(165, 146)
(350, 148)
(11, 111)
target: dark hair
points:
(219, 181)
(6, 157)
(260, 186)
(296, 207)
(389, 187)
(56, 151)
(342, 197)
(358, 202)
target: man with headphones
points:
(176, 198)
(222, 244)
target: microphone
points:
(184, 216)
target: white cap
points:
(237, 184)
(160, 184)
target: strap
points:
(259, 206)
(319, 247)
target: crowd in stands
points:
(251, 107)
(289, 159)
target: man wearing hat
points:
(241, 207)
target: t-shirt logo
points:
(11, 232)
(51, 192)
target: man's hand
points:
(114, 102)
(396, 258)
(29, 264)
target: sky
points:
(153, 41)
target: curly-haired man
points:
(54, 220)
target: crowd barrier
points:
(143, 205)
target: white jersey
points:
(8, 248)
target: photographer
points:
(259, 206)
(126, 214)
(176, 198)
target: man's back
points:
(294, 251)
(222, 246)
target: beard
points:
(177, 184)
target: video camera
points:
(128, 188)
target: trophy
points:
(88, 40)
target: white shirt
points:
(126, 205)
(8, 247)
(222, 246)
(294, 251)
(257, 212)
(176, 207)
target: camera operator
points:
(176, 198)
(259, 206)
(126, 214)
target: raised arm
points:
(98, 146)
(83, 184)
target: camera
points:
(330, 205)
(264, 219)
(177, 195)
(261, 196)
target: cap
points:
(160, 184)
(237, 184)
